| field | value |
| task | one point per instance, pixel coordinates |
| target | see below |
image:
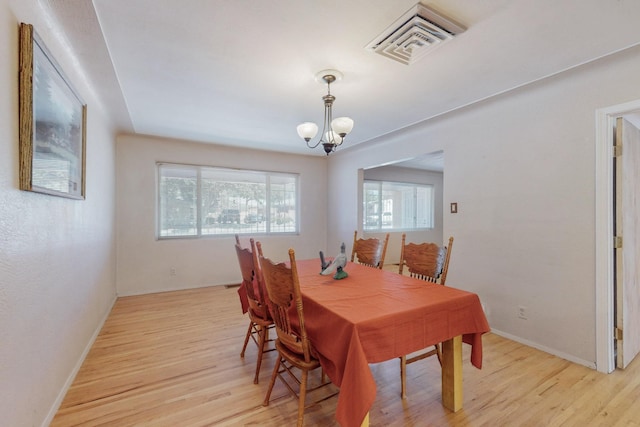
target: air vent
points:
(414, 34)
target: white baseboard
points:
(562, 355)
(74, 372)
(171, 289)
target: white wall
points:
(57, 255)
(400, 174)
(521, 167)
(144, 262)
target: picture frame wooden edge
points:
(28, 37)
(25, 109)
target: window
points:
(397, 206)
(196, 201)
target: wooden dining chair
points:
(430, 262)
(260, 320)
(242, 293)
(369, 252)
(293, 345)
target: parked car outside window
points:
(228, 216)
(253, 219)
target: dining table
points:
(375, 315)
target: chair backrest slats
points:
(445, 266)
(370, 252)
(425, 261)
(252, 280)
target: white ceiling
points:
(241, 72)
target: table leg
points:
(365, 422)
(452, 373)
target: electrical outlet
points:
(522, 312)
(172, 271)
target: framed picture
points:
(52, 123)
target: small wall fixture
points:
(333, 130)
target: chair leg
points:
(403, 376)
(276, 368)
(262, 336)
(246, 339)
(439, 353)
(302, 397)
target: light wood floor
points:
(172, 359)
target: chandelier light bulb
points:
(333, 137)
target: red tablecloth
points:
(375, 315)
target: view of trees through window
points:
(201, 201)
(397, 205)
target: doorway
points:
(426, 169)
(607, 269)
(626, 230)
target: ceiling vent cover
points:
(414, 34)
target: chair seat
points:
(296, 358)
(259, 312)
(260, 320)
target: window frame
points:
(200, 215)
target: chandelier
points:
(333, 130)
